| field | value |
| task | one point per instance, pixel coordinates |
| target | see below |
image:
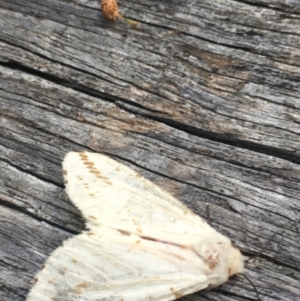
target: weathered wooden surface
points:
(210, 113)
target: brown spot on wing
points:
(178, 295)
(124, 232)
(93, 170)
(83, 156)
(65, 172)
(213, 261)
(79, 287)
(82, 285)
(212, 265)
(89, 164)
(92, 217)
(104, 179)
(139, 230)
(52, 280)
(63, 271)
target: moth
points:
(141, 243)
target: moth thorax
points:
(220, 255)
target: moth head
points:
(235, 261)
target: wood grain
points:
(201, 97)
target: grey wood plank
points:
(209, 113)
(213, 65)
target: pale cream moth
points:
(141, 243)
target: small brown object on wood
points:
(110, 9)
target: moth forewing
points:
(142, 243)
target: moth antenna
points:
(251, 282)
(261, 251)
(270, 239)
(254, 256)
